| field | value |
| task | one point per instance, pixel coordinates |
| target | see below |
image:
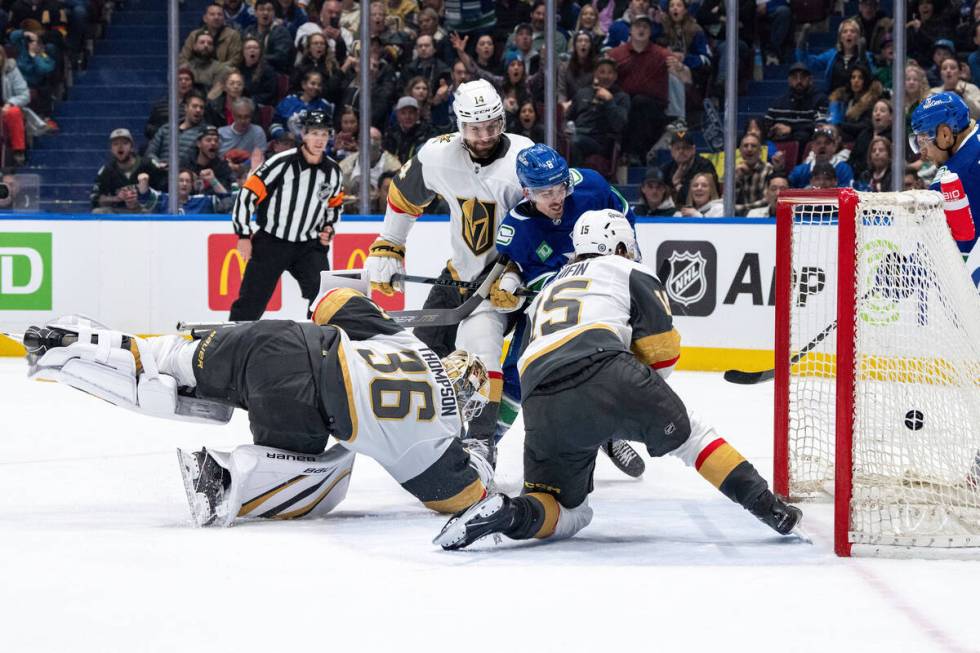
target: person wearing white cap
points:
(114, 190)
(410, 133)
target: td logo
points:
(25, 271)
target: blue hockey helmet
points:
(539, 166)
(945, 108)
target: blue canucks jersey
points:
(965, 162)
(541, 246)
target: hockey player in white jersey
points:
(602, 342)
(352, 374)
(474, 171)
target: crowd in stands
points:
(636, 79)
(42, 41)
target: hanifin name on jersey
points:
(447, 396)
(573, 270)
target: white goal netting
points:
(915, 440)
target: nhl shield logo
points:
(688, 281)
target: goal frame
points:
(846, 200)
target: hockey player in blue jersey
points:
(537, 237)
(944, 133)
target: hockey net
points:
(878, 371)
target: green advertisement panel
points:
(25, 271)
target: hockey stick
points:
(432, 281)
(751, 378)
(425, 317)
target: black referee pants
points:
(271, 257)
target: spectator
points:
(655, 195)
(383, 86)
(190, 199)
(219, 112)
(823, 176)
(780, 19)
(509, 14)
(515, 81)
(877, 175)
(276, 41)
(404, 10)
(881, 125)
(619, 31)
(350, 17)
(280, 143)
(47, 19)
(578, 71)
(382, 162)
(290, 111)
(345, 141)
(429, 26)
(916, 90)
(291, 15)
(443, 118)
(528, 123)
(158, 151)
(588, 23)
(18, 197)
(339, 38)
(703, 200)
(794, 115)
(775, 184)
(885, 60)
(260, 78)
(226, 39)
(521, 43)
(912, 180)
(114, 190)
(538, 16)
(974, 58)
(237, 141)
(239, 15)
(850, 106)
(643, 73)
(599, 112)
(318, 57)
(875, 25)
(207, 70)
(682, 35)
(160, 112)
(942, 49)
(927, 25)
(949, 70)
(685, 163)
(204, 156)
(834, 65)
(418, 88)
(484, 66)
(36, 66)
(965, 31)
(751, 175)
(410, 133)
(16, 97)
(476, 17)
(425, 64)
(825, 145)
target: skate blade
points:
(454, 531)
(801, 534)
(197, 502)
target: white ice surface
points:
(97, 553)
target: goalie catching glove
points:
(385, 260)
(502, 291)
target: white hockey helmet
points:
(601, 232)
(477, 101)
(470, 380)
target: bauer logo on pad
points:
(25, 272)
(692, 279)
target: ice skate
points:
(624, 457)
(778, 515)
(492, 515)
(205, 482)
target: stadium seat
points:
(810, 11)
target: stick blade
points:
(749, 378)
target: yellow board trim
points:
(720, 464)
(459, 501)
(551, 512)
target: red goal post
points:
(877, 371)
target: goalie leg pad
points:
(277, 484)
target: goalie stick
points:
(422, 317)
(433, 281)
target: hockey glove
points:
(385, 260)
(502, 292)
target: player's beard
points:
(480, 150)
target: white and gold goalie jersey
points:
(479, 195)
(595, 306)
(387, 393)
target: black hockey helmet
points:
(316, 120)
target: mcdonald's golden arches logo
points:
(226, 267)
(348, 252)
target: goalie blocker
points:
(297, 382)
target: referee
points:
(296, 199)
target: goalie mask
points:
(470, 380)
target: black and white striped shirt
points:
(290, 198)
